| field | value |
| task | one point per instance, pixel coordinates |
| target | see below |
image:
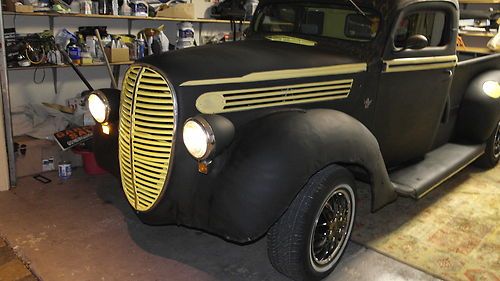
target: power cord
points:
(34, 76)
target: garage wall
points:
(23, 90)
(4, 169)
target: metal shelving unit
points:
(66, 65)
(4, 76)
(201, 20)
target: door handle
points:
(449, 72)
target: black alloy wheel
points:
(331, 228)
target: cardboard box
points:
(181, 10)
(203, 8)
(24, 9)
(10, 5)
(34, 156)
(117, 54)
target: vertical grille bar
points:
(147, 123)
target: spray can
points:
(140, 46)
(74, 51)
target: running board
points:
(438, 165)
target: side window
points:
(431, 24)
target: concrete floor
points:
(83, 229)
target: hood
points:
(240, 58)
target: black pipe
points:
(70, 62)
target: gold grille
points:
(145, 135)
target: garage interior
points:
(81, 226)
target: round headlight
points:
(99, 108)
(197, 139)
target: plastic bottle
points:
(86, 7)
(90, 42)
(140, 46)
(74, 51)
(75, 7)
(104, 8)
(95, 7)
(114, 7)
(164, 41)
(125, 9)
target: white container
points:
(126, 11)
(115, 7)
(75, 7)
(185, 35)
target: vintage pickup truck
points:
(271, 134)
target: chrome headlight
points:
(198, 138)
(99, 106)
(207, 135)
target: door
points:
(414, 82)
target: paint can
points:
(185, 35)
(64, 170)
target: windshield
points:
(323, 20)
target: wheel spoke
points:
(331, 227)
(496, 142)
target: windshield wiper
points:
(358, 8)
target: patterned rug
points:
(453, 233)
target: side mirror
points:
(416, 42)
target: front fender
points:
(272, 159)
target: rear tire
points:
(307, 242)
(492, 153)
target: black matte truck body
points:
(298, 103)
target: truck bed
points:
(466, 70)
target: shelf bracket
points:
(116, 74)
(51, 25)
(200, 30)
(54, 79)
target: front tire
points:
(492, 152)
(309, 239)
